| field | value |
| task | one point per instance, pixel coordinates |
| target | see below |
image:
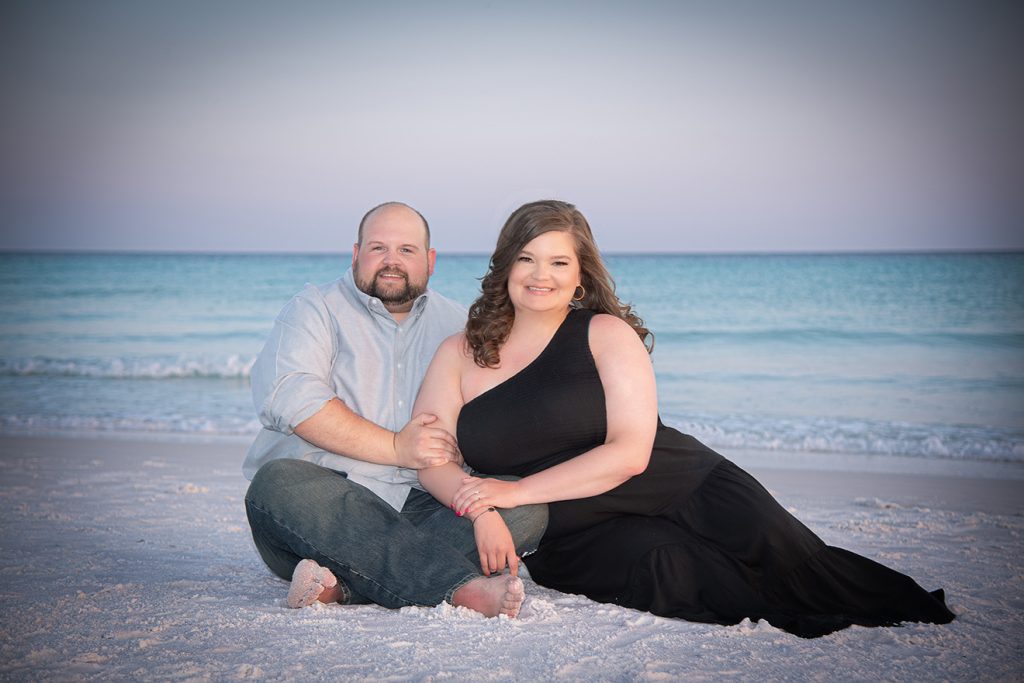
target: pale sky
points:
(674, 126)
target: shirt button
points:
(399, 366)
(399, 403)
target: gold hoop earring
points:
(582, 294)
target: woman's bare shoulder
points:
(612, 338)
(454, 347)
(605, 327)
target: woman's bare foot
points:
(492, 595)
(311, 582)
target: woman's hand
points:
(494, 543)
(477, 494)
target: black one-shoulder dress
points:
(694, 536)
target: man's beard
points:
(389, 291)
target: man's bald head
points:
(388, 207)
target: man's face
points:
(393, 262)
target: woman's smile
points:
(546, 270)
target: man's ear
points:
(431, 259)
(355, 253)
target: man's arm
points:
(292, 393)
(335, 428)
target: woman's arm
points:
(632, 408)
(441, 395)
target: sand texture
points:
(131, 560)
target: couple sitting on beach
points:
(411, 457)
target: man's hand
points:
(419, 446)
(495, 545)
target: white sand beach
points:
(131, 560)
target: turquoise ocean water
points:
(887, 355)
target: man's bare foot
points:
(491, 596)
(311, 582)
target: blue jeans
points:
(419, 556)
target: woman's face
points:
(545, 273)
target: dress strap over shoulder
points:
(576, 327)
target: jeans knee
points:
(538, 516)
(274, 469)
(528, 525)
(276, 473)
(260, 480)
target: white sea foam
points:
(731, 434)
(855, 437)
(231, 366)
(59, 424)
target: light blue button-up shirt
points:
(336, 341)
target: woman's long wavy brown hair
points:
(492, 314)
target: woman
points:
(551, 381)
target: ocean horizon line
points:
(444, 253)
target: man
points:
(332, 503)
